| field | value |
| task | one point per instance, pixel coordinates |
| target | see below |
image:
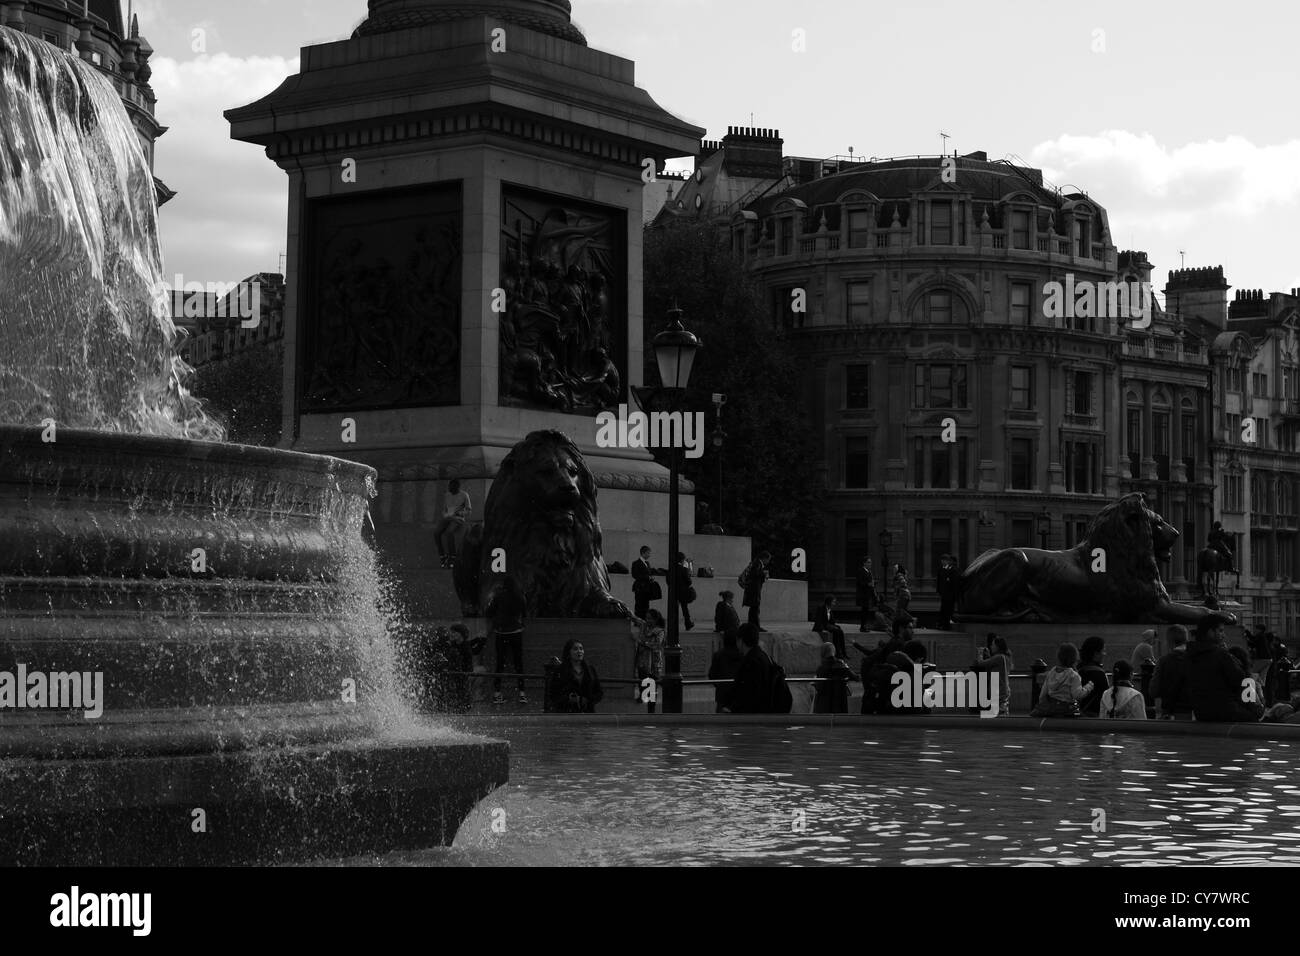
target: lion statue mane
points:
(541, 514)
(1127, 538)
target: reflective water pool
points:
(601, 796)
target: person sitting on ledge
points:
(1169, 686)
(826, 626)
(577, 686)
(725, 617)
(1091, 672)
(832, 694)
(1062, 686)
(1216, 680)
(999, 661)
(1123, 701)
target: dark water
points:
(603, 796)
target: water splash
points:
(88, 337)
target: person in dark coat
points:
(1215, 679)
(505, 612)
(832, 693)
(1169, 684)
(752, 579)
(577, 687)
(1092, 672)
(642, 583)
(723, 667)
(752, 690)
(824, 623)
(946, 582)
(865, 587)
(725, 617)
(685, 591)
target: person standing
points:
(644, 587)
(825, 624)
(685, 591)
(449, 532)
(946, 583)
(723, 669)
(725, 618)
(902, 590)
(650, 651)
(751, 581)
(752, 689)
(1169, 685)
(865, 587)
(505, 612)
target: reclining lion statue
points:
(1071, 587)
(541, 518)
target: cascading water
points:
(223, 592)
(88, 338)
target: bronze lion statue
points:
(1070, 587)
(540, 520)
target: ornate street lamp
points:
(1044, 528)
(675, 350)
(886, 539)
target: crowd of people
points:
(1200, 678)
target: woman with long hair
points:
(1123, 701)
(577, 687)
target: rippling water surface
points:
(597, 796)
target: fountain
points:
(215, 601)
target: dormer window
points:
(941, 223)
(1083, 238)
(859, 228)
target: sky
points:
(1178, 116)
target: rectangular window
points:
(939, 307)
(939, 386)
(858, 297)
(963, 463)
(1235, 379)
(941, 223)
(856, 545)
(1083, 238)
(1262, 429)
(1020, 229)
(1259, 384)
(1022, 533)
(1082, 393)
(918, 552)
(1233, 493)
(1160, 443)
(857, 386)
(1020, 296)
(1189, 446)
(1022, 463)
(940, 464)
(785, 236)
(1234, 429)
(859, 228)
(918, 462)
(857, 473)
(1285, 549)
(1081, 472)
(1133, 441)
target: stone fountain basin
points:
(223, 678)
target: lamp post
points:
(886, 539)
(675, 350)
(1044, 528)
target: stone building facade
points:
(956, 408)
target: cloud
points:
(228, 220)
(1172, 187)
